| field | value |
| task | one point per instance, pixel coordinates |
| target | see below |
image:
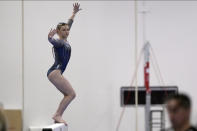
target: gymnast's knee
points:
(72, 95)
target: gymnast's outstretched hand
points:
(52, 33)
(76, 8)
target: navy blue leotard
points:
(62, 52)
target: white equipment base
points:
(54, 127)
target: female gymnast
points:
(62, 51)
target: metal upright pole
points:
(146, 84)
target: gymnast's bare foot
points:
(58, 119)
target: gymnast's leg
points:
(66, 89)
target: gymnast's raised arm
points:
(75, 10)
(50, 36)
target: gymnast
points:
(62, 51)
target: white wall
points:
(171, 28)
(102, 40)
(10, 54)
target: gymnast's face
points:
(63, 32)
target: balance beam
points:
(53, 127)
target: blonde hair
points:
(60, 25)
(3, 121)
